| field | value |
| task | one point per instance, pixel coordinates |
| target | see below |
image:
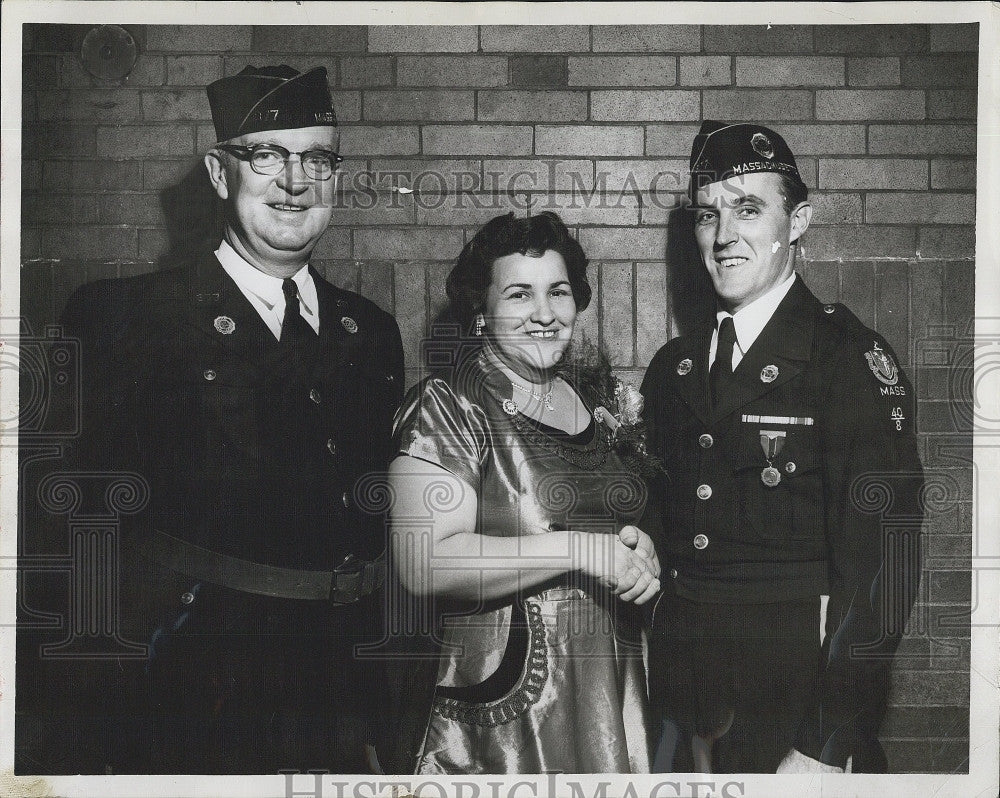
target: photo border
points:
(984, 762)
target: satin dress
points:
(551, 679)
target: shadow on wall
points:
(193, 215)
(692, 298)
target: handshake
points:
(626, 563)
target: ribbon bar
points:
(793, 420)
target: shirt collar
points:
(265, 287)
(751, 319)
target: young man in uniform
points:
(790, 522)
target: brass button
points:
(331, 446)
(829, 308)
(790, 467)
(673, 573)
(187, 598)
(346, 499)
(314, 395)
(705, 441)
(701, 541)
(389, 378)
(704, 491)
(209, 374)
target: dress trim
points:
(521, 698)
(586, 456)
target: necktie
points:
(722, 368)
(294, 329)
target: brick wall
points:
(595, 122)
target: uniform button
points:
(790, 467)
(673, 573)
(389, 378)
(314, 395)
(705, 441)
(209, 374)
(187, 598)
(701, 541)
(331, 446)
(704, 491)
(829, 308)
(346, 499)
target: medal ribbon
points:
(771, 442)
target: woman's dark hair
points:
(507, 235)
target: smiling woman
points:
(530, 311)
(530, 550)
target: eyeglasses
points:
(270, 159)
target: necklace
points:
(544, 398)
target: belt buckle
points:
(350, 565)
(347, 579)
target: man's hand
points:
(647, 583)
(630, 573)
(641, 544)
(797, 762)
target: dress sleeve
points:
(438, 426)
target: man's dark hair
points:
(793, 191)
(507, 235)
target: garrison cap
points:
(270, 98)
(721, 151)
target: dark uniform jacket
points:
(844, 518)
(247, 450)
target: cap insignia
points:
(762, 145)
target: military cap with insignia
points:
(722, 151)
(270, 98)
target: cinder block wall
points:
(595, 123)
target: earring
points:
(480, 324)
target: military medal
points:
(684, 367)
(225, 325)
(509, 407)
(771, 442)
(769, 373)
(349, 324)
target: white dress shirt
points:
(749, 321)
(264, 291)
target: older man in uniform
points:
(790, 527)
(253, 397)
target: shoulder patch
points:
(882, 365)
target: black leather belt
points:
(343, 585)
